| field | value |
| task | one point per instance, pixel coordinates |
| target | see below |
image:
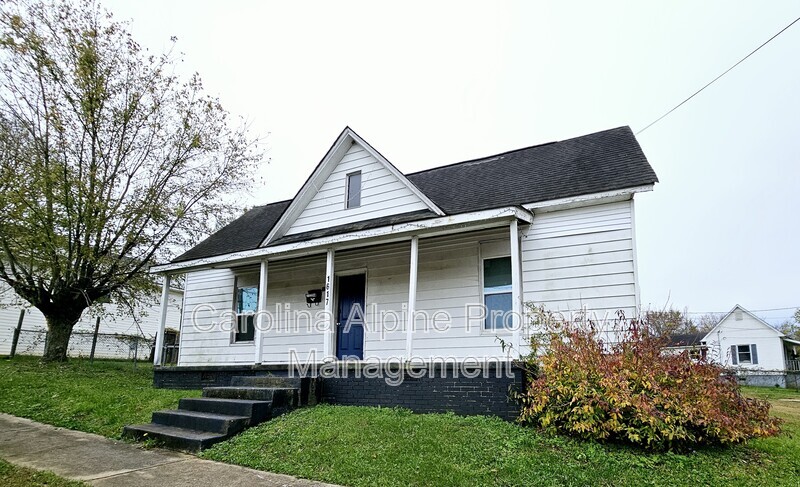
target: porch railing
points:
(793, 365)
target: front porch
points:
(395, 319)
(791, 352)
(412, 293)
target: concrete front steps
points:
(222, 412)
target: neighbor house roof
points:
(685, 339)
(595, 163)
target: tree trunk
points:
(59, 329)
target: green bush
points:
(633, 392)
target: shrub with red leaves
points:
(632, 392)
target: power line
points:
(718, 77)
(751, 310)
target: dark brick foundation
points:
(443, 390)
(220, 376)
(208, 376)
(437, 389)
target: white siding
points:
(287, 286)
(581, 257)
(116, 321)
(450, 280)
(746, 331)
(204, 337)
(382, 194)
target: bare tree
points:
(108, 161)
(669, 321)
(707, 321)
(791, 328)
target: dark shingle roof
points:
(685, 339)
(357, 226)
(594, 163)
(245, 233)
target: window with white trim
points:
(497, 292)
(245, 305)
(744, 354)
(353, 196)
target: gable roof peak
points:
(749, 313)
(324, 169)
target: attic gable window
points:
(353, 197)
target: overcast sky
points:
(431, 83)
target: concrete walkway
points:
(99, 461)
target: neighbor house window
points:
(497, 291)
(744, 354)
(246, 307)
(354, 190)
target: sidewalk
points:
(99, 461)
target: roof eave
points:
(430, 227)
(588, 199)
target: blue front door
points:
(350, 322)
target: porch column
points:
(516, 284)
(262, 308)
(163, 322)
(412, 295)
(330, 329)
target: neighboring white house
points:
(116, 329)
(466, 244)
(693, 343)
(759, 353)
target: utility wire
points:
(718, 77)
(751, 310)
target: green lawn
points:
(370, 446)
(97, 398)
(12, 476)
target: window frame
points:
(237, 286)
(496, 249)
(348, 177)
(749, 353)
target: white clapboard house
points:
(368, 264)
(119, 333)
(757, 352)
